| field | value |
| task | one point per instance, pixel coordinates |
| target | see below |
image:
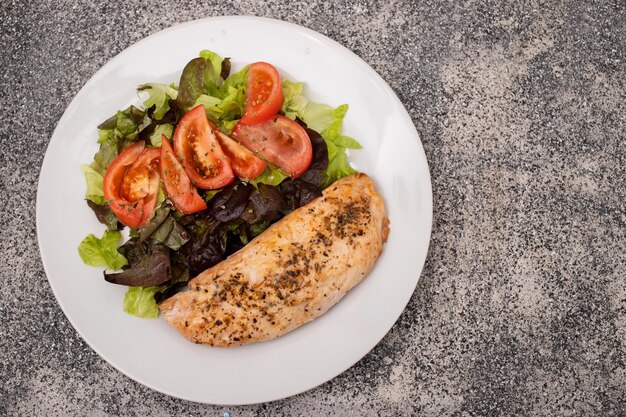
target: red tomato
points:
(131, 184)
(264, 94)
(280, 141)
(178, 187)
(244, 163)
(201, 155)
(149, 162)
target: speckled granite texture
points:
(521, 308)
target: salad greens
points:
(159, 259)
(94, 184)
(116, 133)
(159, 96)
(139, 301)
(160, 130)
(102, 252)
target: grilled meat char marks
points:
(290, 274)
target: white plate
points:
(150, 351)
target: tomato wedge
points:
(280, 141)
(131, 184)
(264, 94)
(178, 187)
(201, 155)
(145, 167)
(244, 163)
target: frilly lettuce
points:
(202, 82)
(117, 132)
(202, 75)
(94, 184)
(213, 72)
(270, 176)
(159, 96)
(102, 252)
(139, 301)
(160, 130)
(212, 106)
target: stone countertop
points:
(521, 307)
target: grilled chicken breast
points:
(290, 274)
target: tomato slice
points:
(280, 141)
(131, 184)
(264, 94)
(150, 158)
(201, 155)
(244, 163)
(178, 187)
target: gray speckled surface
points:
(521, 308)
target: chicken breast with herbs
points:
(289, 275)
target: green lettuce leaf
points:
(270, 176)
(293, 100)
(102, 252)
(213, 73)
(139, 301)
(233, 97)
(347, 142)
(108, 141)
(318, 117)
(238, 81)
(232, 105)
(333, 129)
(159, 96)
(200, 76)
(227, 126)
(211, 106)
(157, 135)
(209, 194)
(191, 84)
(117, 132)
(201, 83)
(225, 104)
(338, 165)
(94, 184)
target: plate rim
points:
(293, 26)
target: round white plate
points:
(150, 351)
